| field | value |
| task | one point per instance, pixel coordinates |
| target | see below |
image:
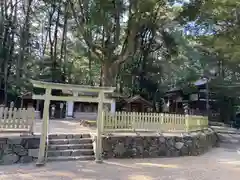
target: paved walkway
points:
(58, 127)
(219, 164)
(227, 130)
(63, 127)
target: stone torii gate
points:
(47, 97)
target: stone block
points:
(33, 153)
(197, 143)
(178, 139)
(162, 153)
(119, 150)
(153, 152)
(26, 159)
(107, 155)
(85, 136)
(3, 146)
(32, 143)
(8, 159)
(193, 134)
(189, 144)
(134, 152)
(57, 136)
(52, 136)
(64, 136)
(175, 153)
(170, 142)
(129, 141)
(19, 150)
(170, 152)
(8, 149)
(140, 150)
(15, 141)
(3, 141)
(184, 151)
(54, 153)
(147, 140)
(145, 153)
(138, 139)
(162, 139)
(69, 136)
(129, 154)
(107, 146)
(66, 153)
(179, 145)
(162, 149)
(187, 138)
(77, 136)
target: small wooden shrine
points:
(137, 104)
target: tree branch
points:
(117, 27)
(131, 33)
(86, 36)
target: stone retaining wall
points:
(18, 150)
(165, 145)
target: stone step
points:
(70, 141)
(71, 152)
(231, 141)
(71, 158)
(68, 136)
(69, 146)
(229, 138)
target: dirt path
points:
(219, 164)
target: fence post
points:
(199, 127)
(32, 120)
(1, 116)
(12, 105)
(207, 122)
(162, 122)
(187, 122)
(103, 115)
(133, 120)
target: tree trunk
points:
(108, 75)
(64, 44)
(9, 48)
(23, 41)
(44, 40)
(55, 59)
(5, 83)
(90, 67)
(51, 41)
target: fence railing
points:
(16, 120)
(132, 121)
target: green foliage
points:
(136, 45)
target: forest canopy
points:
(141, 47)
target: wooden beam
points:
(72, 98)
(72, 87)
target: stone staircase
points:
(229, 138)
(67, 147)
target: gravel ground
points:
(219, 164)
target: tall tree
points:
(111, 29)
